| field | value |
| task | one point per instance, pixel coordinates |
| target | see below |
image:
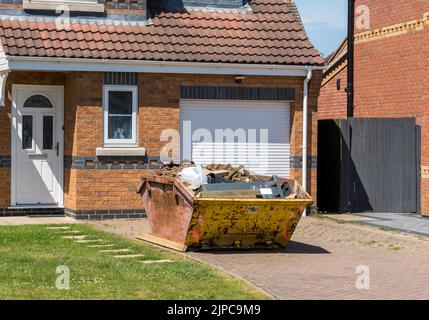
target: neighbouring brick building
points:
(391, 73)
(120, 73)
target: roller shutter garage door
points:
(260, 134)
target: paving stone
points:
(156, 261)
(89, 241)
(74, 237)
(57, 228)
(100, 245)
(128, 256)
(115, 250)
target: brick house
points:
(390, 74)
(86, 99)
(333, 97)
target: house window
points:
(38, 101)
(48, 132)
(27, 132)
(120, 115)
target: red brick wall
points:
(388, 77)
(158, 109)
(391, 73)
(333, 102)
(101, 190)
(4, 187)
(388, 12)
(83, 113)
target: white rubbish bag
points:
(193, 176)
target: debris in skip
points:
(224, 180)
(220, 206)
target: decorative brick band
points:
(131, 163)
(105, 214)
(80, 215)
(5, 161)
(121, 78)
(237, 93)
(112, 163)
(296, 162)
(340, 66)
(393, 30)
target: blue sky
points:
(325, 22)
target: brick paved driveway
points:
(321, 261)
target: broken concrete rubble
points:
(172, 169)
(227, 181)
(229, 172)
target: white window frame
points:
(120, 142)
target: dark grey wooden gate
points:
(379, 165)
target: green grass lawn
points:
(30, 255)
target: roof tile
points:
(272, 33)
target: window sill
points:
(120, 152)
(85, 6)
(36, 206)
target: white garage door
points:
(249, 133)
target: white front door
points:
(37, 145)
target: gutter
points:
(113, 65)
(19, 63)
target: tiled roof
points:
(271, 33)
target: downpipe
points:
(304, 132)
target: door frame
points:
(38, 89)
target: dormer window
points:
(64, 5)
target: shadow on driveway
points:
(292, 248)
